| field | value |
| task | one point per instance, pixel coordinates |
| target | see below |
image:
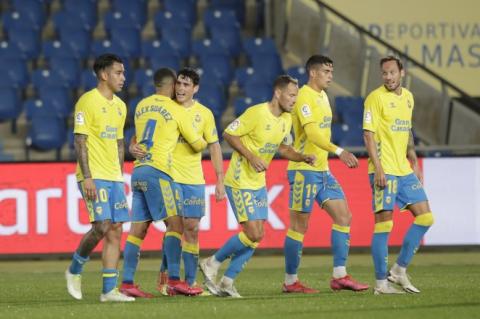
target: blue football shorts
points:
(192, 199)
(248, 204)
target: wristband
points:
(338, 151)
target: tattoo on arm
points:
(121, 153)
(80, 143)
(411, 154)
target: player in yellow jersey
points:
(159, 122)
(255, 136)
(188, 173)
(395, 175)
(99, 120)
(312, 118)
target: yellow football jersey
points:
(261, 133)
(187, 164)
(102, 120)
(389, 116)
(311, 107)
(159, 121)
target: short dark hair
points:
(163, 75)
(190, 73)
(392, 58)
(105, 61)
(315, 60)
(283, 81)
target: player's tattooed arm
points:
(412, 157)
(121, 153)
(81, 150)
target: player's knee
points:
(383, 227)
(344, 219)
(426, 220)
(100, 229)
(255, 236)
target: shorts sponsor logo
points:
(121, 205)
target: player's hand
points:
(349, 159)
(309, 159)
(137, 151)
(379, 178)
(258, 164)
(89, 189)
(219, 191)
(418, 172)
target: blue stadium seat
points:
(10, 107)
(208, 47)
(33, 12)
(157, 49)
(57, 49)
(187, 9)
(350, 110)
(72, 21)
(179, 39)
(219, 19)
(235, 5)
(57, 99)
(48, 78)
(338, 133)
(132, 105)
(119, 20)
(129, 39)
(352, 136)
(255, 46)
(267, 66)
(171, 19)
(127, 136)
(135, 10)
(143, 77)
(165, 61)
(299, 73)
(23, 20)
(28, 41)
(86, 10)
(229, 38)
(14, 73)
(10, 50)
(100, 47)
(241, 104)
(68, 68)
(78, 40)
(213, 97)
(259, 93)
(88, 80)
(218, 67)
(47, 133)
(147, 89)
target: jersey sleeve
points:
(210, 133)
(243, 124)
(371, 113)
(83, 117)
(186, 126)
(303, 110)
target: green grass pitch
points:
(450, 285)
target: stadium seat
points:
(129, 39)
(88, 80)
(219, 19)
(165, 61)
(28, 41)
(218, 67)
(57, 99)
(171, 19)
(299, 73)
(350, 110)
(248, 75)
(179, 39)
(10, 106)
(10, 50)
(352, 136)
(68, 68)
(14, 73)
(120, 20)
(213, 97)
(238, 6)
(23, 20)
(147, 89)
(208, 47)
(78, 40)
(72, 21)
(160, 53)
(106, 46)
(143, 77)
(259, 93)
(135, 10)
(48, 78)
(229, 38)
(256, 46)
(132, 105)
(186, 9)
(46, 133)
(267, 66)
(57, 49)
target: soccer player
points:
(159, 121)
(255, 137)
(395, 175)
(188, 173)
(311, 120)
(99, 120)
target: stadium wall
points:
(41, 210)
